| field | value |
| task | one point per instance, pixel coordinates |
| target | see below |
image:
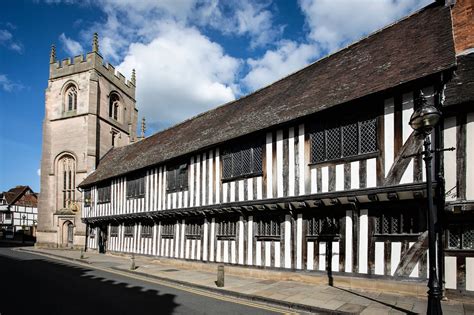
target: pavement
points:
(294, 295)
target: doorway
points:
(102, 239)
(68, 234)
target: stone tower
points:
(90, 108)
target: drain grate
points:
(169, 270)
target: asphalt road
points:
(32, 284)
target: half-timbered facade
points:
(18, 212)
(312, 172)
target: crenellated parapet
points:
(91, 61)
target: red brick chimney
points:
(462, 14)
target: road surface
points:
(32, 284)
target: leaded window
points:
(67, 181)
(461, 236)
(167, 230)
(87, 198)
(71, 98)
(333, 142)
(103, 193)
(193, 229)
(268, 227)
(177, 178)
(129, 230)
(147, 231)
(136, 185)
(397, 222)
(323, 226)
(244, 160)
(114, 106)
(113, 231)
(226, 228)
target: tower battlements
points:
(91, 61)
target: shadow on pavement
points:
(400, 309)
(38, 286)
(4, 243)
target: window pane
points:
(247, 161)
(350, 136)
(69, 102)
(227, 166)
(257, 159)
(237, 163)
(368, 136)
(317, 147)
(468, 238)
(333, 143)
(454, 239)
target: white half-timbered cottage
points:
(18, 212)
(310, 173)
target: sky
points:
(189, 55)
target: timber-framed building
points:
(310, 173)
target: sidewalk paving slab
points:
(295, 295)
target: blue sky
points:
(190, 55)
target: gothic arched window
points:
(114, 106)
(66, 181)
(71, 98)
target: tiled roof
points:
(18, 192)
(415, 47)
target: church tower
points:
(89, 108)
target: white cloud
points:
(5, 35)
(6, 39)
(16, 47)
(138, 21)
(287, 58)
(250, 18)
(71, 46)
(337, 23)
(8, 86)
(332, 24)
(38, 171)
(180, 73)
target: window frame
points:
(146, 230)
(104, 193)
(168, 230)
(315, 221)
(226, 228)
(70, 103)
(133, 179)
(87, 197)
(114, 106)
(262, 223)
(114, 230)
(231, 155)
(460, 229)
(326, 126)
(414, 214)
(129, 233)
(177, 177)
(193, 229)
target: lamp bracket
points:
(424, 152)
